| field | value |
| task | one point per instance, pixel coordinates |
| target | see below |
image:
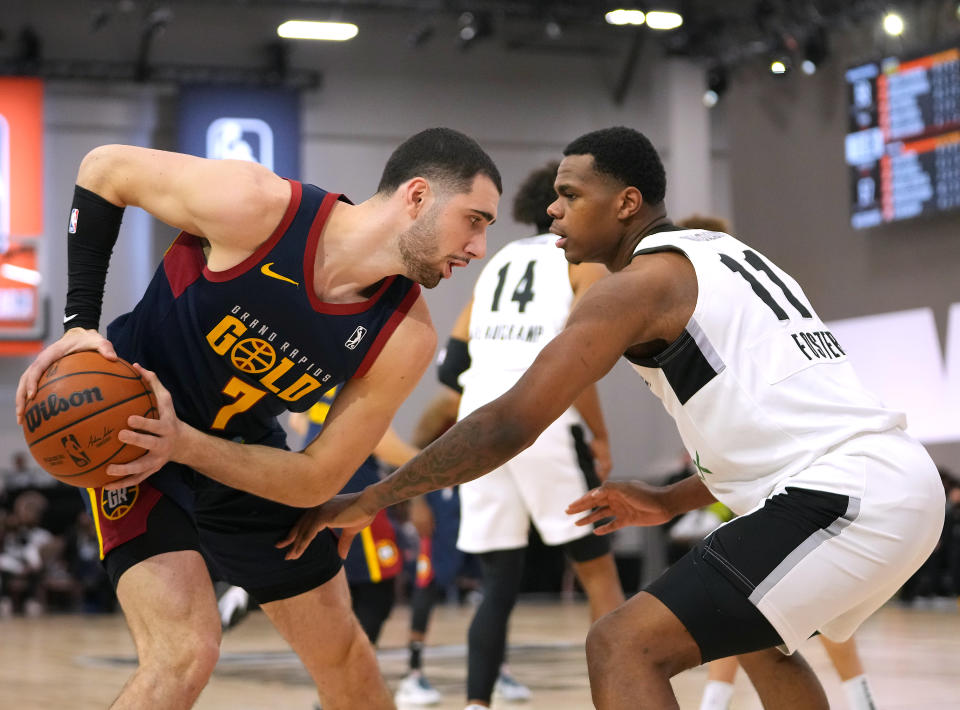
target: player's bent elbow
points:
(97, 166)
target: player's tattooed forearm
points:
(471, 448)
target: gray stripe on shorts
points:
(805, 548)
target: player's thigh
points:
(168, 602)
(319, 625)
(492, 513)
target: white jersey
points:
(758, 386)
(520, 303)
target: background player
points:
(273, 293)
(521, 300)
(838, 505)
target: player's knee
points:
(602, 642)
(191, 658)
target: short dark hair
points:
(626, 155)
(439, 154)
(535, 195)
(707, 222)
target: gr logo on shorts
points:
(115, 504)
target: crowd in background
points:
(49, 553)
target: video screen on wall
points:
(903, 142)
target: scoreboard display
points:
(903, 142)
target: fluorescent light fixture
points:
(893, 24)
(307, 29)
(625, 17)
(661, 20)
(21, 274)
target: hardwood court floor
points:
(77, 662)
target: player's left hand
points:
(343, 511)
(158, 436)
(624, 503)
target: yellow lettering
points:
(299, 388)
(274, 375)
(225, 334)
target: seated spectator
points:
(26, 546)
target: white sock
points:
(858, 693)
(716, 695)
(474, 706)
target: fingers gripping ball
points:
(82, 402)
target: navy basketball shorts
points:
(236, 532)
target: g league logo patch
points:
(248, 139)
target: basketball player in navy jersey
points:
(274, 292)
(837, 504)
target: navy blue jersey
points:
(238, 347)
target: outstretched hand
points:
(626, 502)
(74, 340)
(343, 511)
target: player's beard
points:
(418, 249)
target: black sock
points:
(416, 649)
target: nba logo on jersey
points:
(74, 216)
(248, 139)
(354, 340)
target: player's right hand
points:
(343, 511)
(626, 502)
(74, 340)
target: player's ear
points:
(415, 193)
(630, 202)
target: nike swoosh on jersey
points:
(267, 271)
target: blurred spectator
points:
(26, 548)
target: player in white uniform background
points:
(520, 302)
(839, 506)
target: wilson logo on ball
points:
(53, 405)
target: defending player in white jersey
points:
(520, 303)
(838, 504)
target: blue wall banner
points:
(258, 124)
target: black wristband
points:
(454, 361)
(91, 234)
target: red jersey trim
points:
(296, 192)
(391, 325)
(183, 263)
(310, 257)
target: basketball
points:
(82, 402)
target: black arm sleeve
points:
(91, 234)
(454, 361)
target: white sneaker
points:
(233, 605)
(415, 689)
(510, 689)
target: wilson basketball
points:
(82, 402)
